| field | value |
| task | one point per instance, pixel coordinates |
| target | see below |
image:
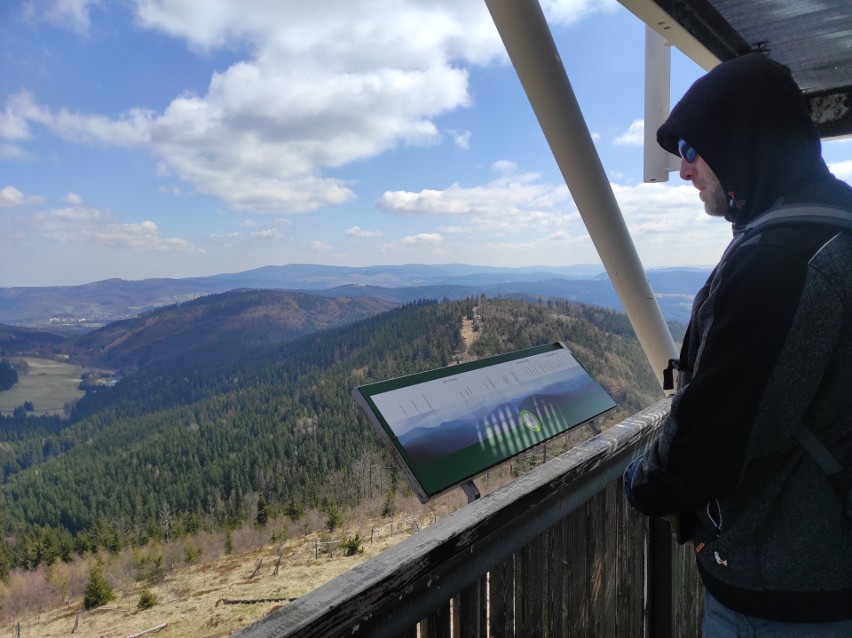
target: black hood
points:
(748, 120)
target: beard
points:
(715, 201)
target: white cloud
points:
(79, 224)
(11, 197)
(72, 198)
(633, 136)
(422, 238)
(460, 138)
(67, 14)
(408, 32)
(512, 203)
(425, 243)
(270, 233)
(504, 167)
(530, 221)
(319, 246)
(327, 84)
(322, 85)
(132, 128)
(357, 231)
(14, 118)
(571, 11)
(14, 152)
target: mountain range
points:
(235, 397)
(96, 304)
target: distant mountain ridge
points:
(219, 325)
(96, 304)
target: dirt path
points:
(469, 336)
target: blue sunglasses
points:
(686, 151)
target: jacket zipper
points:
(717, 524)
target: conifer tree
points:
(98, 592)
(262, 511)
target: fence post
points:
(660, 574)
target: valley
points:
(232, 437)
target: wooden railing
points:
(557, 552)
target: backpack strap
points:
(793, 215)
(840, 479)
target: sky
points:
(181, 138)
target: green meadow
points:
(49, 385)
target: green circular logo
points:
(530, 420)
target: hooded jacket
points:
(768, 349)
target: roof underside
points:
(812, 37)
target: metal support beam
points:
(533, 53)
(658, 66)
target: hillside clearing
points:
(50, 386)
(190, 600)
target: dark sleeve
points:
(702, 450)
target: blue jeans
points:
(722, 622)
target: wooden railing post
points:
(660, 572)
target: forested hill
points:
(206, 442)
(217, 325)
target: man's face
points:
(709, 189)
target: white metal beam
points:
(658, 20)
(658, 162)
(529, 43)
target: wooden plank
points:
(253, 601)
(437, 624)
(632, 552)
(689, 592)
(471, 611)
(521, 581)
(557, 577)
(501, 598)
(139, 634)
(531, 599)
(578, 578)
(608, 541)
(595, 559)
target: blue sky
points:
(177, 138)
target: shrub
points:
(353, 545)
(146, 599)
(389, 508)
(149, 568)
(192, 553)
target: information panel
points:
(446, 426)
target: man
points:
(768, 350)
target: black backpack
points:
(793, 215)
